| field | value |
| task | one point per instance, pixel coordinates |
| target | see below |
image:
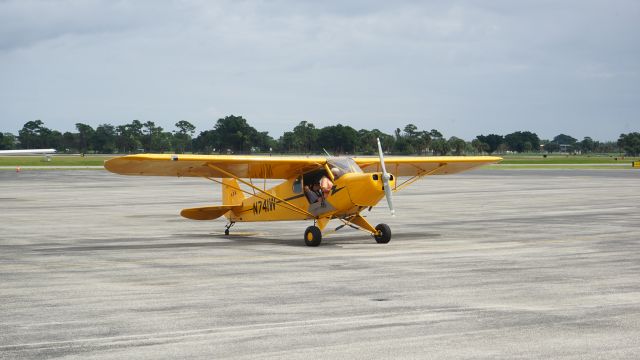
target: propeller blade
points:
(385, 180)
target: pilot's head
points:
(336, 172)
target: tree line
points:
(233, 134)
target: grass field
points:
(566, 159)
(516, 160)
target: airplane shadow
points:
(219, 240)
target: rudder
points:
(231, 193)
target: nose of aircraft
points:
(367, 189)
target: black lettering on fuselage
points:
(261, 206)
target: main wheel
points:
(384, 234)
(312, 236)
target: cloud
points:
(465, 67)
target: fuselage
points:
(352, 192)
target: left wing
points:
(216, 166)
(424, 165)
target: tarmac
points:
(486, 264)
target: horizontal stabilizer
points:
(207, 212)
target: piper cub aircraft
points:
(316, 189)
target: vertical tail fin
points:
(231, 194)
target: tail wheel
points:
(312, 236)
(384, 234)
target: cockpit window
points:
(345, 165)
(297, 185)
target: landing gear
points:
(312, 236)
(383, 235)
(227, 227)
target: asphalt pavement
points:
(485, 264)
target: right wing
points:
(424, 165)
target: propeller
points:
(385, 180)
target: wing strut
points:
(416, 177)
(289, 206)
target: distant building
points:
(564, 148)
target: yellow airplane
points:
(351, 185)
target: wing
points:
(423, 165)
(217, 166)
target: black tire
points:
(226, 231)
(384, 234)
(312, 236)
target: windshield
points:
(345, 165)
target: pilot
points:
(313, 194)
(325, 185)
(336, 173)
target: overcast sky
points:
(462, 67)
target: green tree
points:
(587, 145)
(33, 134)
(417, 141)
(185, 127)
(549, 146)
(423, 142)
(70, 142)
(182, 138)
(305, 137)
(287, 142)
(630, 143)
(206, 142)
(7, 141)
(608, 147)
(235, 134)
(264, 142)
(563, 139)
(410, 130)
(435, 134)
(517, 141)
(129, 136)
(367, 142)
(479, 146)
(85, 137)
(403, 146)
(457, 145)
(338, 139)
(493, 141)
(149, 131)
(52, 139)
(440, 146)
(104, 140)
(154, 138)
